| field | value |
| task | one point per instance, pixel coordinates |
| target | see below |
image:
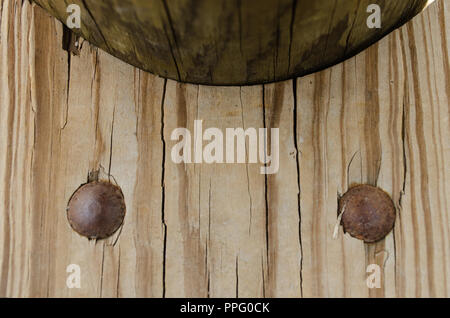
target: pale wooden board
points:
(200, 230)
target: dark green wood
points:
(230, 42)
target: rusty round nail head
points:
(368, 213)
(96, 210)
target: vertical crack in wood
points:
(405, 162)
(291, 32)
(111, 143)
(137, 97)
(102, 268)
(246, 165)
(266, 202)
(348, 170)
(263, 279)
(400, 197)
(163, 192)
(237, 276)
(172, 30)
(209, 215)
(94, 75)
(173, 55)
(209, 285)
(208, 241)
(95, 104)
(118, 275)
(67, 37)
(294, 91)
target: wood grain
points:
(237, 42)
(222, 230)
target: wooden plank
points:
(212, 230)
(215, 212)
(16, 116)
(359, 123)
(283, 206)
(69, 124)
(426, 150)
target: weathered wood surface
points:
(233, 42)
(381, 117)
